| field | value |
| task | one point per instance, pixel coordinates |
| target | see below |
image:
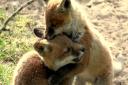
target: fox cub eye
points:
(66, 50)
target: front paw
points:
(54, 80)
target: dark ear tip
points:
(38, 32)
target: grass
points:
(14, 44)
(6, 72)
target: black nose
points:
(50, 33)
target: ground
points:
(109, 17)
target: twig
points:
(3, 28)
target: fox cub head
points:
(58, 17)
(59, 51)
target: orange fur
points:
(30, 70)
(67, 16)
(34, 67)
(58, 51)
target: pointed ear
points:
(38, 32)
(65, 4)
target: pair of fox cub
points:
(71, 48)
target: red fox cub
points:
(59, 52)
(34, 67)
(68, 17)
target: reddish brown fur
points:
(31, 70)
(32, 67)
(96, 64)
(56, 51)
(57, 18)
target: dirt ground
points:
(110, 18)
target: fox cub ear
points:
(38, 32)
(65, 4)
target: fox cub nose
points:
(50, 33)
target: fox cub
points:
(69, 18)
(34, 68)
